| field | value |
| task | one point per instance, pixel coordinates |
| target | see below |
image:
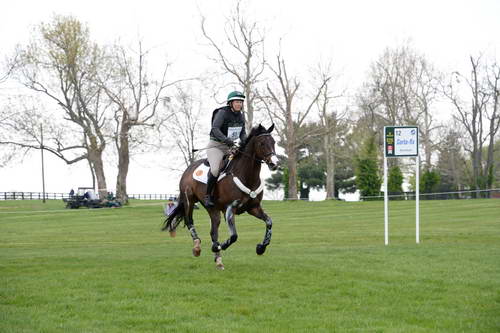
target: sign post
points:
(401, 141)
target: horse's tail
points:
(174, 217)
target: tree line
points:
(89, 99)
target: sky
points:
(351, 34)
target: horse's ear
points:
(261, 128)
(270, 129)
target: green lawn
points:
(326, 270)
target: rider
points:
(228, 125)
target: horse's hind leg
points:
(190, 225)
(214, 234)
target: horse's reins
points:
(241, 151)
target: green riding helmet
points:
(235, 96)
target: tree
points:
(451, 161)
(426, 92)
(312, 162)
(275, 182)
(9, 152)
(183, 127)
(314, 146)
(401, 90)
(22, 125)
(480, 118)
(333, 125)
(137, 100)
(496, 167)
(367, 173)
(62, 64)
(279, 103)
(395, 181)
(311, 175)
(246, 62)
(429, 181)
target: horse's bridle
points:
(267, 158)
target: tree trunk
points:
(330, 167)
(98, 165)
(427, 140)
(92, 173)
(292, 172)
(123, 164)
(95, 157)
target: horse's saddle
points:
(201, 172)
(224, 164)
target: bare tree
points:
(62, 64)
(279, 103)
(451, 160)
(333, 123)
(493, 116)
(480, 117)
(244, 58)
(425, 90)
(390, 79)
(8, 71)
(137, 101)
(184, 125)
(22, 126)
(402, 89)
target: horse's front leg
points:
(259, 213)
(231, 225)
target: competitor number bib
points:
(233, 133)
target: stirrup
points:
(209, 201)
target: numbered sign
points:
(401, 141)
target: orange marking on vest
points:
(199, 173)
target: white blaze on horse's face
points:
(272, 162)
(269, 155)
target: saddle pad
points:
(201, 174)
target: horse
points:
(240, 190)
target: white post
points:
(417, 198)
(386, 204)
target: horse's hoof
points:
(173, 234)
(260, 249)
(197, 248)
(218, 264)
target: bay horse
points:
(239, 191)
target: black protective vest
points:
(226, 122)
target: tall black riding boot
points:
(209, 198)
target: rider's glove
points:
(229, 142)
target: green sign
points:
(400, 141)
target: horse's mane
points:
(256, 130)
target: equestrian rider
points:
(228, 125)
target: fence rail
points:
(172, 197)
(491, 193)
(468, 194)
(59, 196)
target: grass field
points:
(326, 270)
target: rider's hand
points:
(229, 142)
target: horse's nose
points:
(273, 163)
